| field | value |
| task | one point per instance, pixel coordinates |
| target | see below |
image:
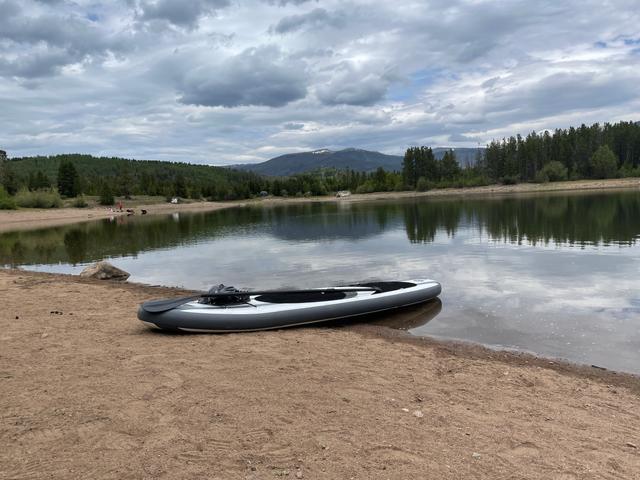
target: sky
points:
(240, 81)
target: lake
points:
(555, 274)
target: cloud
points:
(293, 126)
(37, 64)
(563, 91)
(284, 3)
(258, 76)
(180, 13)
(315, 19)
(40, 42)
(351, 85)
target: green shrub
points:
(6, 202)
(627, 171)
(366, 187)
(604, 163)
(422, 185)
(554, 172)
(510, 179)
(541, 177)
(475, 181)
(38, 199)
(79, 202)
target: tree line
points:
(107, 178)
(598, 151)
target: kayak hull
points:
(260, 315)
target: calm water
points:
(557, 275)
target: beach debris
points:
(55, 312)
(418, 413)
(632, 445)
(104, 271)
(476, 455)
(405, 410)
(299, 474)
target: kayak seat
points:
(382, 287)
(292, 297)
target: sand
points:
(87, 391)
(22, 219)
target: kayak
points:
(252, 311)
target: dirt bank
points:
(36, 218)
(86, 391)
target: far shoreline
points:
(27, 219)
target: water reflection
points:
(553, 274)
(582, 220)
(570, 219)
(410, 317)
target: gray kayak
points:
(287, 309)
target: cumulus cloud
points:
(563, 91)
(41, 42)
(353, 86)
(316, 18)
(180, 13)
(258, 76)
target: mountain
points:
(353, 158)
(349, 158)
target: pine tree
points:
(449, 166)
(180, 186)
(409, 168)
(68, 180)
(8, 178)
(106, 195)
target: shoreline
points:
(24, 219)
(84, 383)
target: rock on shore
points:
(105, 271)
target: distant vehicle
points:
(343, 193)
(264, 193)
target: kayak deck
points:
(278, 310)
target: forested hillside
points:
(134, 177)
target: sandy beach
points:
(87, 391)
(36, 218)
